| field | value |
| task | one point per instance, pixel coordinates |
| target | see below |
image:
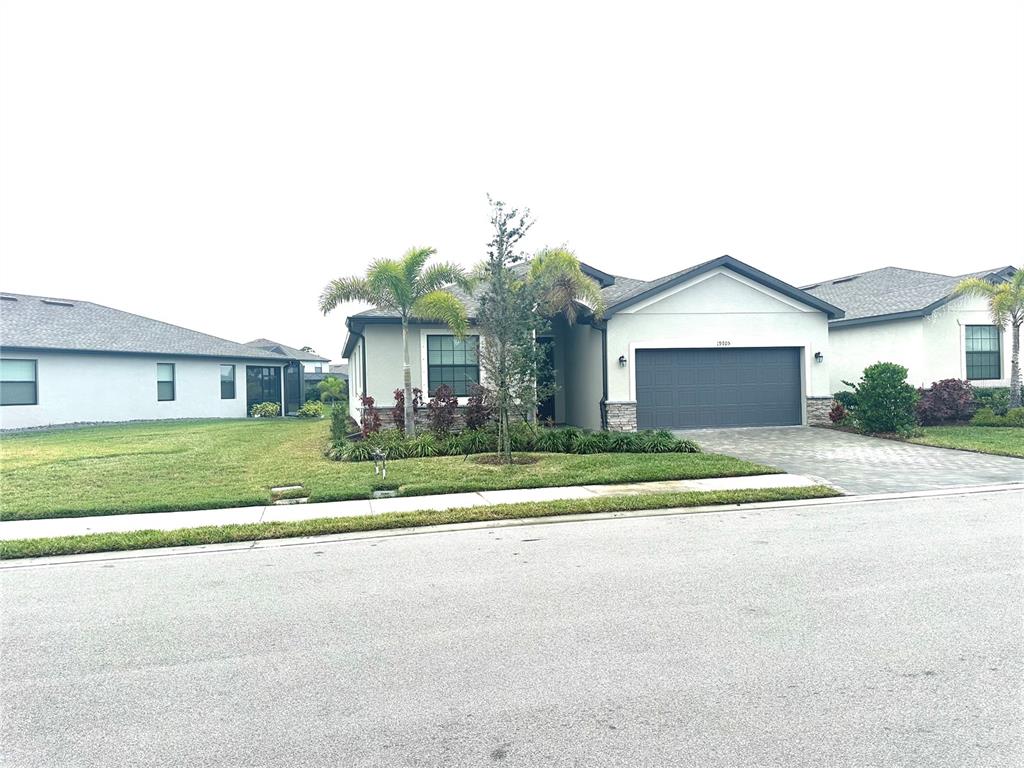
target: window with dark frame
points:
(983, 353)
(165, 381)
(227, 382)
(453, 362)
(18, 384)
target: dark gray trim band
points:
(121, 352)
(910, 314)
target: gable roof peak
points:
(653, 287)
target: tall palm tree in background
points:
(413, 290)
(1006, 305)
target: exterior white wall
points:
(382, 361)
(931, 348)
(582, 376)
(355, 380)
(945, 353)
(856, 347)
(718, 309)
(79, 387)
(382, 356)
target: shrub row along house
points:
(720, 344)
(65, 361)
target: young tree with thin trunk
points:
(1006, 305)
(413, 290)
(509, 358)
(516, 303)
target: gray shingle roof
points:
(38, 322)
(622, 290)
(284, 349)
(891, 291)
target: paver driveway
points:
(857, 463)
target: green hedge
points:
(995, 398)
(986, 417)
(526, 438)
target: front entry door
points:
(546, 407)
(262, 385)
(292, 389)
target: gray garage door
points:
(732, 387)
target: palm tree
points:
(413, 290)
(560, 284)
(1006, 305)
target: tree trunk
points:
(1015, 399)
(410, 421)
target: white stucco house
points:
(715, 345)
(912, 318)
(66, 361)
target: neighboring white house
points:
(719, 344)
(311, 361)
(911, 318)
(66, 361)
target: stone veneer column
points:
(620, 416)
(817, 411)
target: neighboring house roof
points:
(38, 322)
(618, 293)
(284, 349)
(337, 371)
(893, 293)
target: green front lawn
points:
(114, 542)
(167, 466)
(1005, 441)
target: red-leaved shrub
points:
(478, 410)
(946, 402)
(370, 422)
(837, 415)
(441, 409)
(398, 412)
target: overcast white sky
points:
(213, 164)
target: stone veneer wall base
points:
(620, 416)
(817, 411)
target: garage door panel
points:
(738, 386)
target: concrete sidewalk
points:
(167, 521)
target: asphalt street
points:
(858, 634)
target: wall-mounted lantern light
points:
(622, 361)
(818, 357)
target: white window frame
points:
(424, 373)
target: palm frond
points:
(413, 261)
(975, 286)
(1017, 280)
(442, 307)
(561, 284)
(1005, 300)
(386, 278)
(437, 277)
(345, 289)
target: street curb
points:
(244, 546)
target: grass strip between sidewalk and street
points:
(151, 539)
